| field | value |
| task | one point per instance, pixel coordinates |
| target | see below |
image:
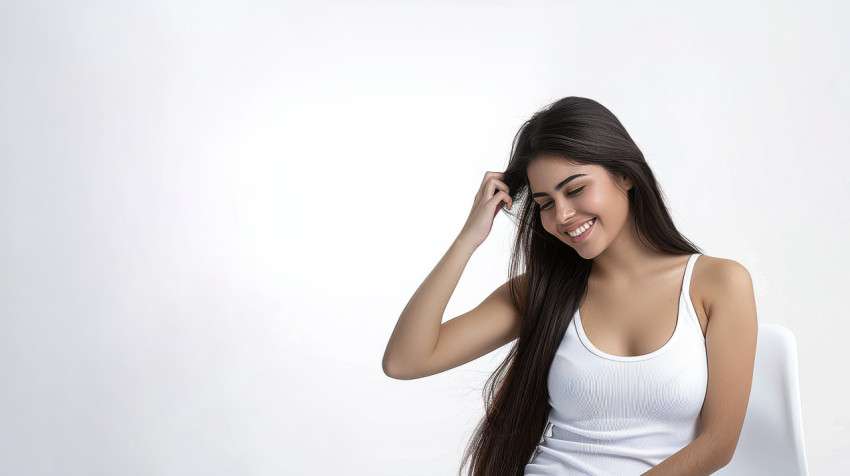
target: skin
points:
(632, 300)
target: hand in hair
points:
(488, 202)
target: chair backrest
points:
(771, 439)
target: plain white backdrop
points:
(212, 213)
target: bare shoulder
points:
(714, 278)
(713, 268)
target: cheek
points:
(592, 201)
(549, 225)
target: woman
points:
(634, 351)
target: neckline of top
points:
(685, 286)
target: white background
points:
(213, 212)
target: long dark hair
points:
(548, 279)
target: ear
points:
(626, 182)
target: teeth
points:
(578, 231)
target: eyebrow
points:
(559, 186)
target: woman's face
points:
(570, 195)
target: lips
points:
(583, 237)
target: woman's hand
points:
(487, 204)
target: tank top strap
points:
(689, 270)
(685, 298)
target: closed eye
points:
(572, 193)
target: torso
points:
(636, 319)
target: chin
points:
(583, 252)
(586, 254)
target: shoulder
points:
(719, 279)
(714, 270)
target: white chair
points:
(771, 441)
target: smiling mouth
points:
(580, 234)
(582, 229)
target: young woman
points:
(633, 351)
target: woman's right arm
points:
(420, 344)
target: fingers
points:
(492, 182)
(499, 197)
(482, 190)
(495, 204)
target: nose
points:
(564, 213)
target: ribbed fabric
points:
(618, 415)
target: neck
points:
(627, 260)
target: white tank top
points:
(623, 415)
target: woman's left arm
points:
(730, 341)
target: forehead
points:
(546, 171)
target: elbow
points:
(404, 373)
(399, 375)
(727, 454)
(393, 371)
(721, 460)
(722, 454)
(728, 449)
(717, 452)
(388, 369)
